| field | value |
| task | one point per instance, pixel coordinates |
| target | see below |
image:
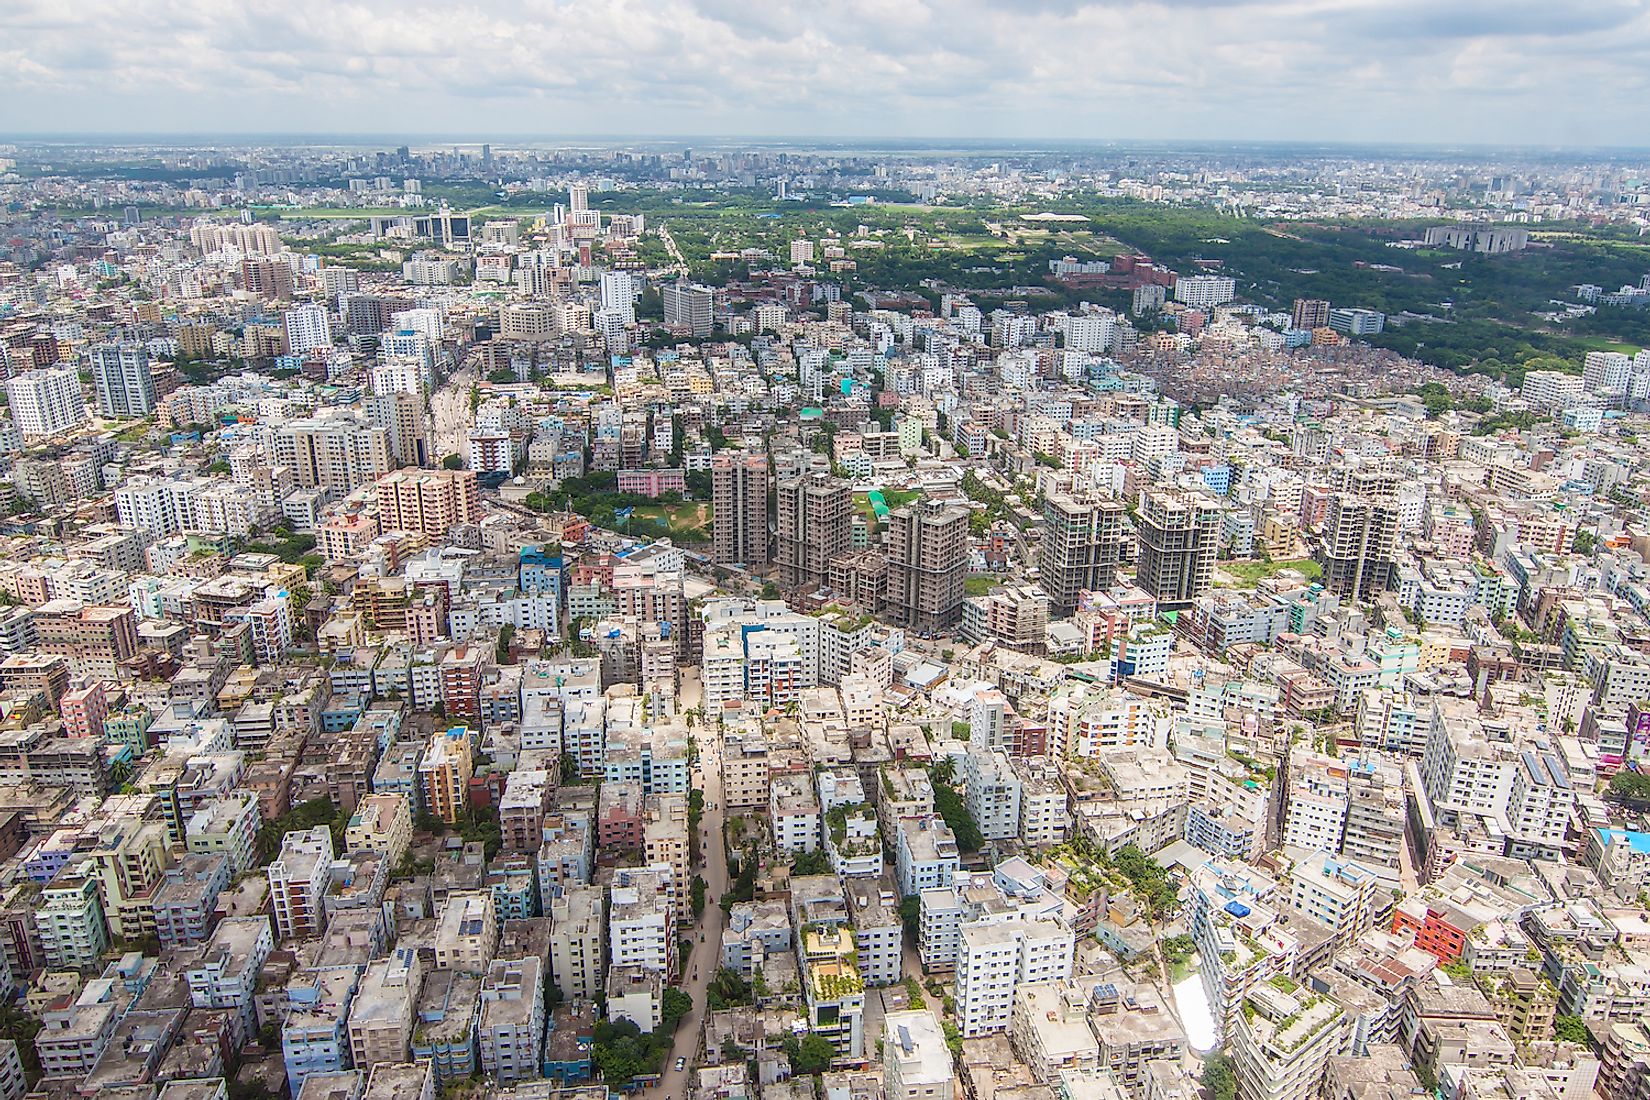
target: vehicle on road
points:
(681, 1064)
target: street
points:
(706, 954)
(450, 414)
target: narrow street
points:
(707, 933)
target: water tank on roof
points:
(1237, 909)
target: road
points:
(675, 253)
(450, 414)
(673, 1083)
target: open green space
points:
(688, 521)
(1246, 574)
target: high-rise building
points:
(46, 402)
(121, 377)
(401, 414)
(927, 564)
(619, 293)
(267, 278)
(814, 525)
(431, 501)
(578, 197)
(1282, 1041)
(338, 452)
(739, 514)
(1082, 543)
(307, 328)
(1179, 536)
(688, 305)
(1359, 547)
(1310, 313)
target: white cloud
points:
(1400, 70)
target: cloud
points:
(1395, 70)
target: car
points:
(681, 1064)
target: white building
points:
(307, 329)
(46, 402)
(996, 957)
(1204, 291)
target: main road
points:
(706, 933)
(450, 414)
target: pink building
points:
(84, 711)
(652, 483)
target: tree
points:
(1572, 1029)
(1219, 1082)
(948, 803)
(815, 862)
(502, 650)
(453, 462)
(674, 1005)
(812, 1054)
(770, 591)
(727, 988)
(910, 914)
(698, 895)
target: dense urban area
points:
(780, 622)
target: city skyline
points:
(1368, 72)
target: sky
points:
(1495, 72)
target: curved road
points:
(673, 1082)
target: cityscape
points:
(710, 618)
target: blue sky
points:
(1508, 71)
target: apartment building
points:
(383, 1011)
(815, 510)
(298, 879)
(466, 935)
(444, 773)
(381, 823)
(739, 515)
(511, 1028)
(1082, 545)
(995, 958)
(430, 501)
(927, 564)
(1179, 535)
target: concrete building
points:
(511, 1030)
(122, 381)
(444, 773)
(927, 564)
(298, 881)
(383, 1011)
(429, 501)
(46, 402)
(915, 1059)
(995, 958)
(814, 516)
(1179, 537)
(739, 515)
(466, 934)
(1082, 544)
(1282, 1041)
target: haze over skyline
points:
(1472, 71)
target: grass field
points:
(980, 584)
(1246, 574)
(685, 522)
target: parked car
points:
(681, 1064)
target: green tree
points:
(453, 462)
(815, 862)
(1219, 1082)
(809, 1055)
(910, 913)
(1572, 1029)
(698, 895)
(674, 1005)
